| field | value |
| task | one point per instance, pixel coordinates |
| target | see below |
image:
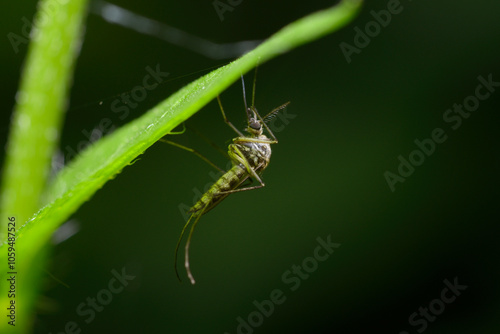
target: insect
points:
(249, 154)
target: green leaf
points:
(102, 161)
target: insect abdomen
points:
(229, 181)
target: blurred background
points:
(354, 116)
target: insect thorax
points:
(257, 154)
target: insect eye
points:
(255, 125)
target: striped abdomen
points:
(229, 181)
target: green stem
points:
(34, 135)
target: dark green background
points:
(325, 178)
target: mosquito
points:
(250, 155)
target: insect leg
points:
(239, 157)
(248, 182)
(226, 120)
(201, 156)
(242, 189)
(253, 140)
(188, 242)
(179, 132)
(210, 142)
(178, 244)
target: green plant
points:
(88, 172)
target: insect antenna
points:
(273, 113)
(270, 116)
(249, 112)
(244, 93)
(253, 89)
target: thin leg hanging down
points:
(197, 215)
(178, 244)
(188, 242)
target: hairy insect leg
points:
(201, 156)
